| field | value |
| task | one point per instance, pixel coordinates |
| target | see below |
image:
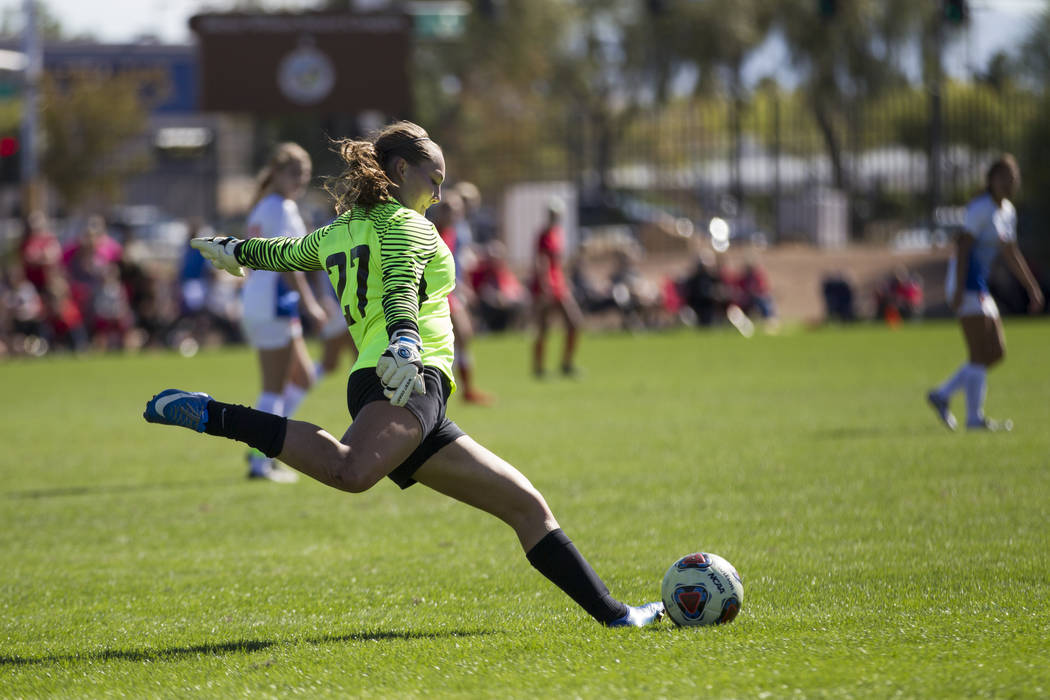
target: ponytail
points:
(366, 180)
(362, 181)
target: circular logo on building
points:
(306, 76)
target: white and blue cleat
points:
(182, 408)
(642, 616)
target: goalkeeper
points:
(393, 274)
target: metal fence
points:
(768, 165)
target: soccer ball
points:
(702, 589)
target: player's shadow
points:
(221, 648)
(106, 489)
(852, 432)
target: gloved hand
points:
(400, 367)
(219, 251)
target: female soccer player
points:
(990, 228)
(446, 216)
(551, 292)
(271, 299)
(393, 275)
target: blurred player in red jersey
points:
(446, 214)
(551, 292)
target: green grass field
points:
(881, 555)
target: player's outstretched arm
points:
(279, 254)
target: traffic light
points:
(956, 11)
(10, 167)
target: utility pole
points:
(32, 190)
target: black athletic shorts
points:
(364, 387)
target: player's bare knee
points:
(528, 508)
(350, 475)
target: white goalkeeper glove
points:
(219, 250)
(400, 367)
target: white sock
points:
(976, 388)
(271, 403)
(293, 396)
(954, 383)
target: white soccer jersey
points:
(991, 226)
(265, 295)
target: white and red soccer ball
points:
(702, 589)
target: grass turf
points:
(881, 555)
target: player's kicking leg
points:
(463, 470)
(468, 472)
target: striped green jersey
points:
(390, 269)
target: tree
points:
(1035, 61)
(90, 127)
(714, 38)
(847, 58)
(1034, 56)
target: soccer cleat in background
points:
(642, 616)
(269, 470)
(992, 426)
(940, 407)
(176, 407)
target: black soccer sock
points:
(557, 558)
(263, 431)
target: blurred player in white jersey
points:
(990, 229)
(271, 299)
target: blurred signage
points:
(167, 73)
(321, 62)
(439, 19)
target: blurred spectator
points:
(754, 293)
(591, 298)
(637, 300)
(704, 291)
(899, 296)
(207, 302)
(6, 330)
(478, 219)
(111, 317)
(91, 263)
(151, 315)
(25, 308)
(838, 297)
(94, 245)
(40, 250)
(501, 297)
(67, 323)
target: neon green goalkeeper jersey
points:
(390, 270)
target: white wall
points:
(525, 214)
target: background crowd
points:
(94, 286)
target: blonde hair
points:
(283, 155)
(366, 178)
